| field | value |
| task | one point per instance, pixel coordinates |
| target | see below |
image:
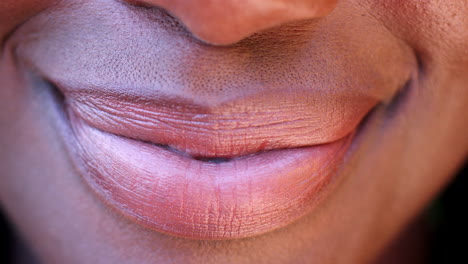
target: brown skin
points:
(405, 155)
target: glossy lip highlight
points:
(181, 196)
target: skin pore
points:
(401, 66)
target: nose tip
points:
(225, 22)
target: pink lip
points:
(251, 124)
(181, 196)
(180, 167)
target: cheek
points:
(15, 12)
(436, 29)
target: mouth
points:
(201, 142)
(196, 176)
(206, 198)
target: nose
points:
(225, 22)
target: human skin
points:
(410, 56)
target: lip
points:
(183, 178)
(251, 124)
(175, 194)
(180, 167)
(195, 192)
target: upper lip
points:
(227, 130)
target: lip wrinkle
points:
(250, 195)
(171, 192)
(269, 131)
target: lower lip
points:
(178, 195)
